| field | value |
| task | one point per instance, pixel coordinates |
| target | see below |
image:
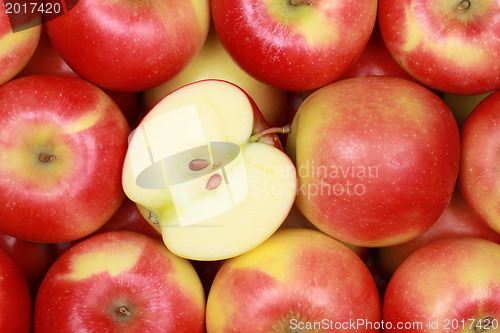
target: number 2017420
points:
(33, 7)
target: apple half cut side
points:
(211, 188)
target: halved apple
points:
(212, 187)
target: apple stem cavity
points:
(300, 2)
(213, 182)
(272, 130)
(465, 4)
(44, 158)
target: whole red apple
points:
(15, 301)
(377, 159)
(294, 45)
(450, 46)
(120, 281)
(62, 145)
(130, 46)
(451, 285)
(299, 280)
(479, 180)
(457, 221)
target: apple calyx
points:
(464, 5)
(300, 2)
(122, 311)
(272, 130)
(44, 158)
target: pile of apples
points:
(249, 166)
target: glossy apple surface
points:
(34, 259)
(375, 60)
(213, 62)
(120, 281)
(62, 145)
(479, 181)
(16, 48)
(14, 297)
(294, 45)
(457, 221)
(130, 46)
(450, 46)
(212, 121)
(294, 279)
(377, 159)
(450, 285)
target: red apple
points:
(457, 221)
(18, 40)
(299, 280)
(377, 159)
(450, 46)
(479, 180)
(375, 60)
(294, 45)
(126, 46)
(451, 285)
(15, 300)
(120, 281)
(34, 259)
(213, 62)
(62, 145)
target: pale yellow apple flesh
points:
(215, 209)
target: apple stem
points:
(44, 158)
(465, 4)
(272, 130)
(300, 2)
(123, 311)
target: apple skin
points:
(15, 300)
(127, 46)
(296, 219)
(444, 282)
(294, 48)
(213, 62)
(47, 61)
(457, 221)
(34, 259)
(377, 159)
(444, 47)
(85, 288)
(478, 180)
(297, 274)
(75, 194)
(16, 48)
(375, 60)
